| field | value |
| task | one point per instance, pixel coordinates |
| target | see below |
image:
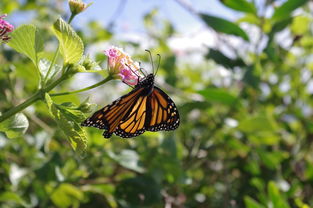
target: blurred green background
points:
(240, 72)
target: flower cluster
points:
(5, 28)
(122, 66)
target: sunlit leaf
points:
(69, 121)
(66, 195)
(276, 197)
(13, 198)
(251, 203)
(26, 39)
(285, 10)
(71, 46)
(224, 26)
(15, 126)
(300, 25)
(240, 5)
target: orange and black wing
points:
(164, 114)
(133, 124)
(110, 116)
(155, 112)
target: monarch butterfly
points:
(145, 108)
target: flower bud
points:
(77, 6)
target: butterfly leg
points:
(129, 85)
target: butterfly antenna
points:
(132, 70)
(159, 61)
(142, 70)
(151, 60)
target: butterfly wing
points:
(164, 113)
(155, 112)
(110, 116)
(133, 124)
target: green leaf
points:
(15, 126)
(300, 25)
(272, 159)
(71, 45)
(251, 203)
(285, 10)
(240, 5)
(67, 195)
(276, 197)
(69, 121)
(218, 96)
(44, 66)
(223, 60)
(12, 197)
(26, 39)
(257, 123)
(128, 159)
(224, 26)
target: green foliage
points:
(245, 104)
(287, 8)
(240, 5)
(68, 119)
(219, 96)
(71, 46)
(224, 26)
(26, 39)
(15, 126)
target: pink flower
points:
(128, 76)
(121, 66)
(5, 28)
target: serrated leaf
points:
(285, 10)
(128, 159)
(224, 26)
(26, 39)
(69, 121)
(71, 45)
(218, 96)
(240, 5)
(15, 126)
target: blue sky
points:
(131, 16)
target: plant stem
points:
(20, 107)
(51, 65)
(71, 18)
(55, 55)
(37, 96)
(40, 94)
(84, 89)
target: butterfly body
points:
(145, 108)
